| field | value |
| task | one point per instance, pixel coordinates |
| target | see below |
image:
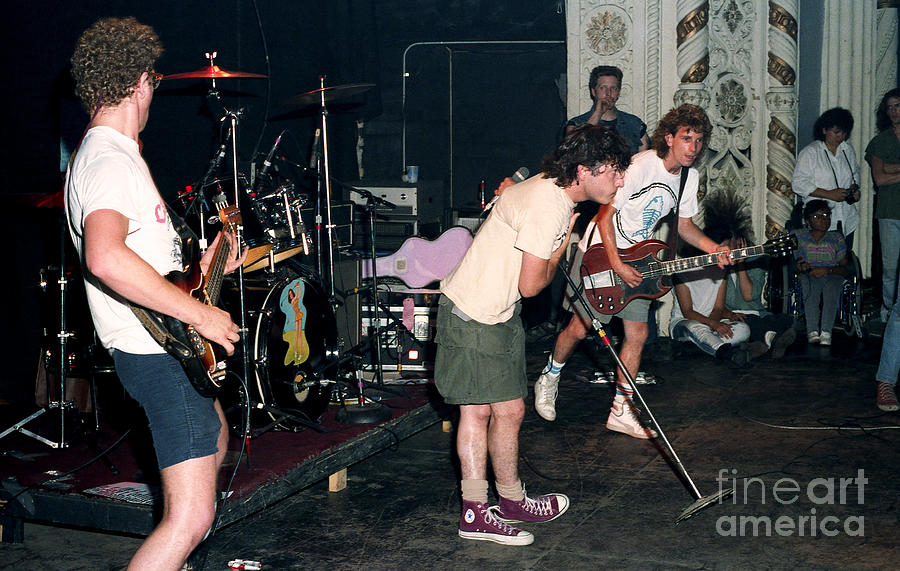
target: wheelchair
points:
(785, 295)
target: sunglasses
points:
(820, 215)
(154, 78)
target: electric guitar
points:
(418, 262)
(608, 294)
(202, 360)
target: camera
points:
(850, 191)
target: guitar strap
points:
(673, 235)
(178, 348)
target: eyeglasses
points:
(820, 215)
(154, 78)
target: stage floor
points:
(806, 427)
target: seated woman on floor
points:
(699, 314)
(823, 264)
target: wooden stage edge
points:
(105, 514)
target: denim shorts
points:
(478, 363)
(184, 424)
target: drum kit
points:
(284, 297)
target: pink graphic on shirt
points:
(160, 213)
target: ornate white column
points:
(781, 102)
(692, 59)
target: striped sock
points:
(553, 368)
(624, 391)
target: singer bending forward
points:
(480, 363)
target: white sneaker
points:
(825, 338)
(813, 337)
(546, 388)
(623, 417)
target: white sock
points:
(553, 368)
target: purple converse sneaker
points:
(478, 521)
(541, 508)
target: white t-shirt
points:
(704, 287)
(108, 172)
(817, 168)
(532, 216)
(649, 194)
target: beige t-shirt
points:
(532, 216)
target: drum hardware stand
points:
(325, 179)
(700, 501)
(281, 415)
(62, 336)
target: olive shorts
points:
(478, 363)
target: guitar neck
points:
(217, 272)
(669, 267)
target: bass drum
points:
(294, 337)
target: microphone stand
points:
(701, 501)
(364, 412)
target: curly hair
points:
(109, 59)
(590, 145)
(882, 121)
(834, 117)
(685, 115)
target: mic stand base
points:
(365, 413)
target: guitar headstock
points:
(229, 215)
(782, 244)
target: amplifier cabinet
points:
(424, 200)
(411, 349)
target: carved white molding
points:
(628, 35)
(725, 54)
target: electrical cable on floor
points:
(859, 428)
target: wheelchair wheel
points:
(850, 311)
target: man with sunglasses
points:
(127, 243)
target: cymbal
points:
(331, 93)
(213, 72)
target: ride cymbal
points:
(331, 94)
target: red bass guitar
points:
(608, 294)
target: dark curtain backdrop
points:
(347, 41)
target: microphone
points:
(517, 177)
(314, 152)
(267, 164)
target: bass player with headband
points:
(653, 182)
(127, 242)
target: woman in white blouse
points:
(828, 169)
